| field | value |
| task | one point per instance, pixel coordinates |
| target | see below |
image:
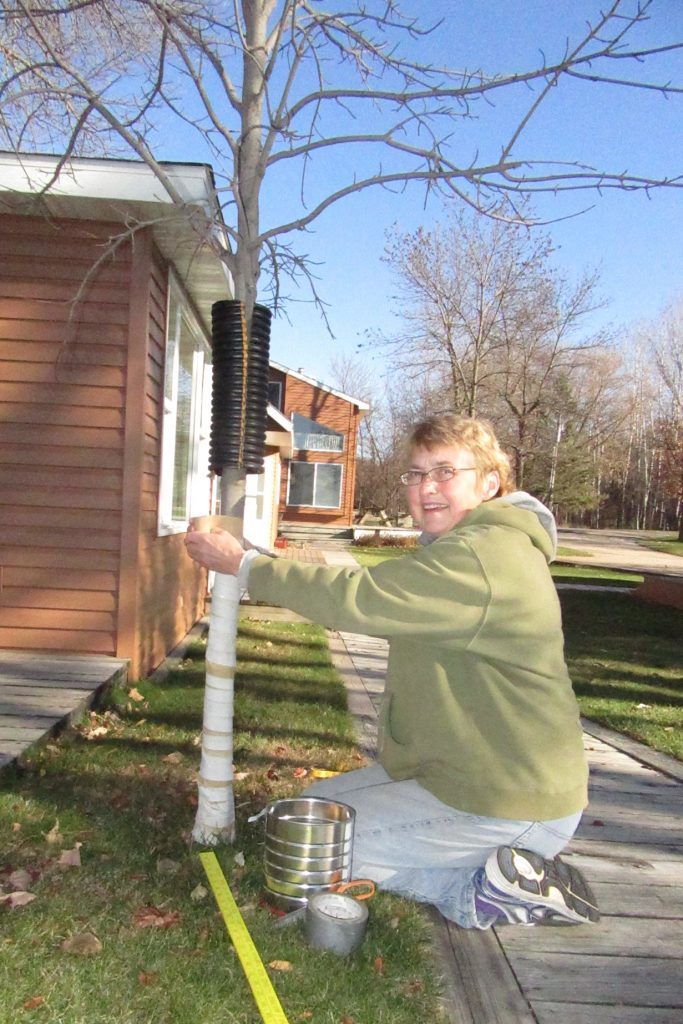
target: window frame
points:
(315, 465)
(197, 499)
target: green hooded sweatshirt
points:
(478, 705)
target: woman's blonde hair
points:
(475, 435)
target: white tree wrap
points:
(215, 819)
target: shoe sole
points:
(552, 884)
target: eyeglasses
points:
(440, 474)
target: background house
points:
(318, 482)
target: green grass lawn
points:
(119, 793)
(669, 547)
(624, 658)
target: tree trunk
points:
(215, 818)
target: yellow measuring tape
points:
(265, 995)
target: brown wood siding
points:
(82, 569)
(338, 414)
(61, 435)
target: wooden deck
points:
(628, 969)
(40, 693)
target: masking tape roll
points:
(335, 922)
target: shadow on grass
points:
(609, 618)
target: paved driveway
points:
(617, 549)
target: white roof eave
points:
(128, 192)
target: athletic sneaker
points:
(551, 890)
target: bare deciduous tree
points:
(275, 87)
(668, 354)
(458, 285)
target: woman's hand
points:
(217, 550)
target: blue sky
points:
(636, 240)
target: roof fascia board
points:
(279, 417)
(100, 178)
(319, 384)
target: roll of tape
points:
(335, 922)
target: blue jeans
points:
(410, 843)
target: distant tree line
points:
(593, 421)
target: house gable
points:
(323, 492)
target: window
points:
(184, 487)
(275, 394)
(315, 483)
(315, 437)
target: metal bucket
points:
(308, 848)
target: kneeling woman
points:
(481, 777)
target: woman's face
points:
(438, 507)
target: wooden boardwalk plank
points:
(39, 693)
(615, 980)
(609, 936)
(483, 989)
(634, 870)
(587, 1013)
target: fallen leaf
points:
(239, 859)
(16, 826)
(97, 733)
(598, 823)
(394, 922)
(346, 1020)
(153, 917)
(135, 694)
(148, 978)
(411, 988)
(299, 773)
(199, 892)
(378, 965)
(54, 835)
(34, 1002)
(19, 879)
(71, 858)
(17, 899)
(280, 965)
(175, 758)
(82, 944)
(272, 774)
(305, 1015)
(238, 776)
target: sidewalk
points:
(627, 968)
(616, 549)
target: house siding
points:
(80, 408)
(337, 413)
